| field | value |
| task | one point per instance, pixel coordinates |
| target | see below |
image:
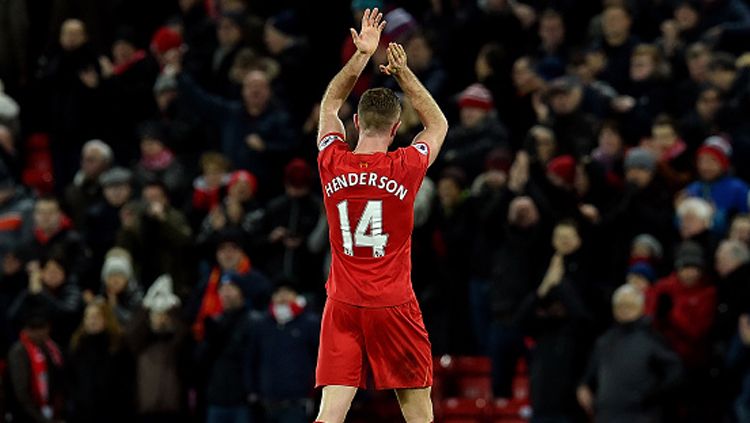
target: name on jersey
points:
(369, 179)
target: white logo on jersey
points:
(328, 140)
(422, 148)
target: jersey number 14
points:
(372, 219)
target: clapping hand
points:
(396, 59)
(369, 36)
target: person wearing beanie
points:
(561, 171)
(646, 248)
(683, 304)
(119, 288)
(572, 125)
(479, 131)
(158, 161)
(728, 194)
(641, 275)
(164, 39)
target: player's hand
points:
(369, 36)
(396, 59)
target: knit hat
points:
(9, 108)
(689, 253)
(160, 297)
(719, 148)
(643, 269)
(564, 167)
(229, 236)
(165, 39)
(640, 158)
(499, 159)
(651, 243)
(298, 174)
(400, 25)
(563, 84)
(117, 264)
(245, 176)
(476, 95)
(367, 4)
(115, 176)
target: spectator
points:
(235, 209)
(683, 304)
(158, 162)
(119, 288)
(646, 248)
(697, 57)
(209, 187)
(616, 45)
(50, 287)
(35, 364)
(157, 237)
(675, 161)
(528, 86)
(631, 373)
(280, 231)
(231, 263)
(700, 122)
(85, 191)
(103, 218)
(479, 131)
(157, 337)
(556, 318)
(740, 229)
(224, 354)
(694, 220)
(640, 276)
(551, 35)
(230, 36)
(574, 129)
(733, 286)
(99, 368)
(737, 364)
(610, 151)
(283, 347)
(16, 210)
(729, 195)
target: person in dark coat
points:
(631, 372)
(283, 348)
(556, 318)
(99, 369)
(616, 45)
(224, 355)
(85, 191)
(733, 287)
(158, 162)
(35, 366)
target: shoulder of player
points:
(329, 139)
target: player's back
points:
(369, 200)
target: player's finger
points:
(385, 70)
(373, 15)
(378, 18)
(382, 26)
(354, 33)
(401, 51)
(366, 17)
(391, 57)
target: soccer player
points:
(372, 322)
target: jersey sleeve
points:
(415, 160)
(329, 146)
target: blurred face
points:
(241, 191)
(615, 24)
(93, 162)
(6, 140)
(708, 104)
(228, 33)
(284, 296)
(709, 168)
(53, 275)
(117, 195)
(551, 31)
(638, 282)
(686, 17)
(116, 283)
(213, 174)
(231, 296)
(639, 177)
(419, 53)
(256, 91)
(164, 99)
(610, 142)
(160, 322)
(721, 78)
(155, 194)
(691, 224)
(698, 66)
(627, 308)
(47, 215)
(565, 239)
(642, 66)
(523, 213)
(640, 250)
(72, 35)
(228, 255)
(472, 116)
(276, 41)
(664, 137)
(449, 192)
(151, 147)
(689, 275)
(565, 103)
(725, 262)
(482, 67)
(93, 320)
(545, 145)
(522, 75)
(740, 230)
(122, 52)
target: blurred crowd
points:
(164, 248)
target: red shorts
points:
(390, 341)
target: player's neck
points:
(369, 144)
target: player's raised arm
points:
(433, 119)
(341, 85)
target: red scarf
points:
(43, 238)
(159, 161)
(211, 303)
(137, 57)
(286, 312)
(39, 374)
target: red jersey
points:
(369, 200)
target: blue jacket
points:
(728, 194)
(283, 357)
(235, 124)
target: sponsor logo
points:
(328, 140)
(422, 148)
